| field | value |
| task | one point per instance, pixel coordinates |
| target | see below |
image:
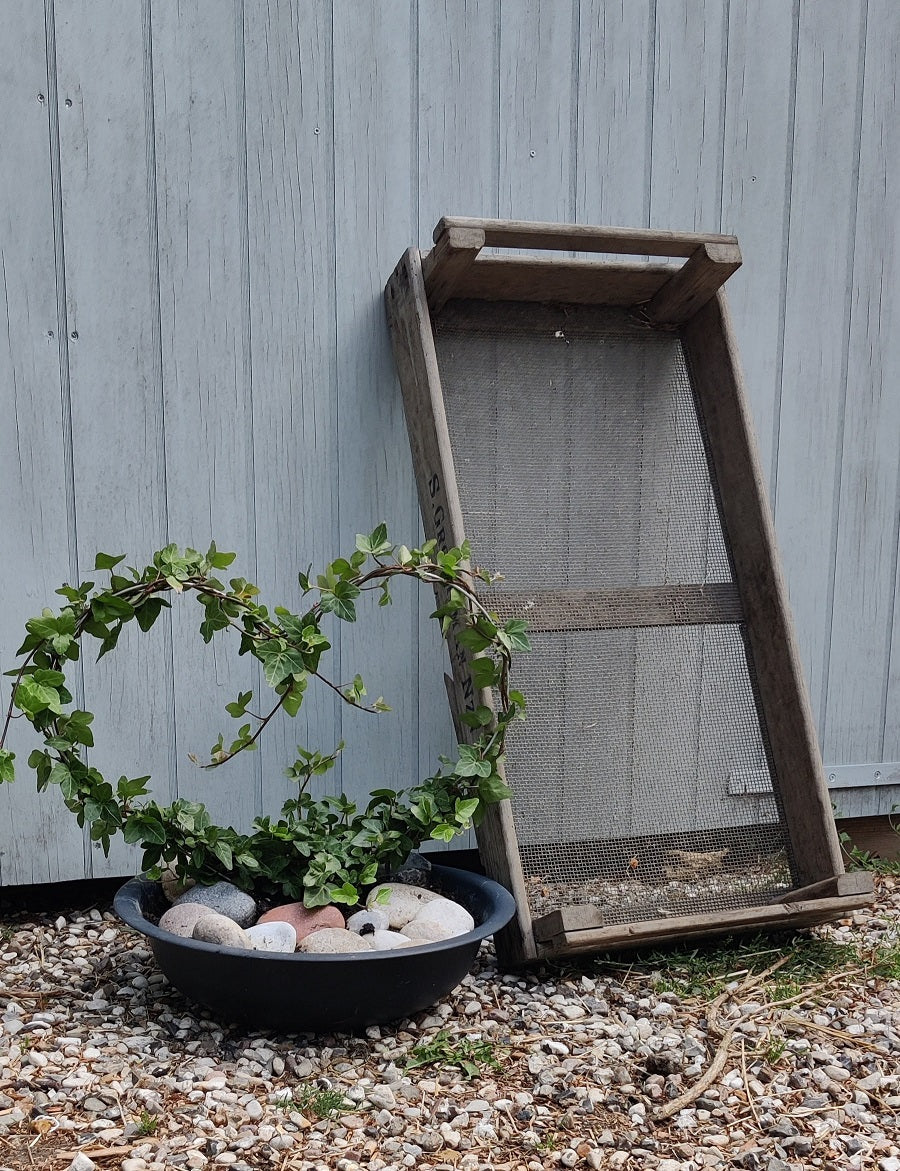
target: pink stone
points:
(304, 920)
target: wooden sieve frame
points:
(690, 300)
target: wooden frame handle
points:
(710, 259)
(579, 237)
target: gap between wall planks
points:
(690, 300)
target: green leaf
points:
(376, 544)
(479, 718)
(485, 673)
(107, 561)
(471, 763)
(444, 832)
(279, 662)
(7, 769)
(239, 707)
(32, 697)
(223, 852)
(492, 789)
(346, 894)
(465, 808)
(518, 640)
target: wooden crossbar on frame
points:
(689, 301)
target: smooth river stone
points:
(449, 916)
(225, 899)
(365, 922)
(328, 940)
(219, 929)
(387, 940)
(274, 936)
(402, 904)
(173, 886)
(304, 920)
(183, 919)
(421, 933)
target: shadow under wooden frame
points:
(583, 422)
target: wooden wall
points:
(199, 206)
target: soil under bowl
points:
(319, 993)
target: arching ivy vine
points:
(319, 849)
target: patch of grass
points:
(885, 962)
(147, 1124)
(775, 1050)
(703, 972)
(471, 1056)
(313, 1100)
(547, 1143)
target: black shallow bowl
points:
(320, 993)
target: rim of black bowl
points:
(127, 906)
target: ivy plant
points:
(320, 849)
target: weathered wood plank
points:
(209, 464)
(540, 278)
(694, 283)
(582, 237)
(448, 261)
(678, 605)
(374, 88)
(688, 121)
(416, 359)
(756, 194)
(716, 378)
(803, 913)
(614, 101)
(458, 171)
(817, 305)
(118, 411)
(861, 716)
(289, 318)
(538, 42)
(39, 841)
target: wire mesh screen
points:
(641, 775)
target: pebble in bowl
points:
(318, 993)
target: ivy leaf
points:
(346, 894)
(376, 544)
(279, 661)
(148, 612)
(339, 600)
(515, 630)
(224, 853)
(32, 697)
(465, 809)
(107, 561)
(485, 673)
(444, 832)
(7, 769)
(239, 707)
(471, 763)
(492, 789)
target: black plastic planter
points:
(320, 993)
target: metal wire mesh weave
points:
(641, 776)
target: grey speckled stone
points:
(183, 919)
(223, 898)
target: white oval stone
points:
(421, 933)
(401, 903)
(375, 918)
(452, 918)
(388, 940)
(272, 936)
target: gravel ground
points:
(659, 1064)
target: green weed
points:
(313, 1100)
(147, 1124)
(471, 1056)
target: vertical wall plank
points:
(688, 115)
(39, 841)
(756, 195)
(538, 50)
(291, 262)
(375, 211)
(860, 716)
(819, 260)
(458, 163)
(615, 90)
(209, 468)
(106, 150)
